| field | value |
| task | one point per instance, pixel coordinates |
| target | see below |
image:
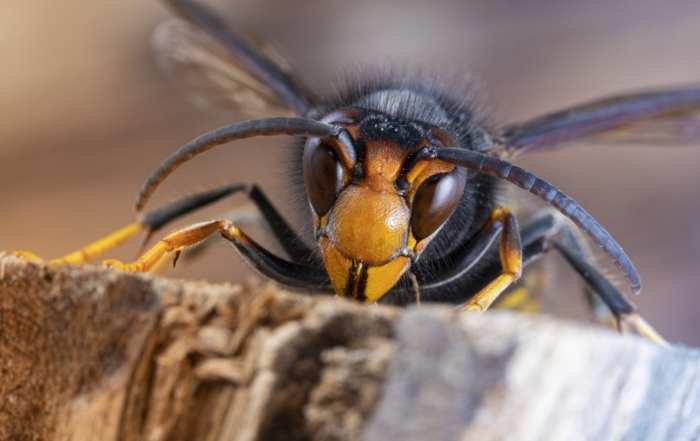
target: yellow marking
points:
(323, 221)
(520, 299)
(432, 168)
(411, 242)
(381, 279)
(515, 299)
(416, 171)
(336, 265)
(179, 240)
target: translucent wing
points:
(663, 117)
(225, 70)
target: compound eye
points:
(435, 200)
(323, 175)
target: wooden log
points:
(88, 353)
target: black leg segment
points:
(283, 232)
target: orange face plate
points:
(365, 239)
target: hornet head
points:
(378, 196)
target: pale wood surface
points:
(88, 353)
(511, 377)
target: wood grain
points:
(89, 353)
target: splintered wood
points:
(88, 353)
(93, 354)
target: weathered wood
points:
(88, 353)
(509, 377)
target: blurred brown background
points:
(85, 116)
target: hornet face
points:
(378, 196)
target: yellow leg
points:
(150, 222)
(644, 329)
(511, 261)
(101, 246)
(178, 241)
(26, 255)
(93, 250)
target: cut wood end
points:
(92, 353)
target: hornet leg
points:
(510, 257)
